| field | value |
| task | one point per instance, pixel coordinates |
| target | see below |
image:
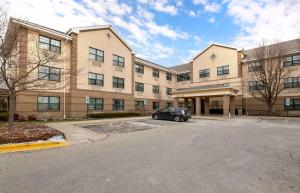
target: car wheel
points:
(155, 117)
(177, 118)
(185, 119)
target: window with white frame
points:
(291, 82)
(155, 89)
(204, 73)
(48, 103)
(291, 61)
(155, 73)
(139, 86)
(49, 73)
(118, 60)
(139, 68)
(256, 85)
(222, 70)
(96, 54)
(118, 104)
(118, 82)
(96, 79)
(96, 104)
(50, 44)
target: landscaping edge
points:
(30, 146)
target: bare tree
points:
(267, 74)
(22, 68)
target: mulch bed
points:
(27, 133)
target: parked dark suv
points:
(172, 113)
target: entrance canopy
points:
(199, 93)
(207, 90)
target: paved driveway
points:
(209, 156)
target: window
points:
(155, 89)
(253, 66)
(155, 105)
(96, 79)
(204, 73)
(49, 73)
(139, 87)
(169, 104)
(255, 85)
(294, 105)
(48, 103)
(155, 73)
(223, 70)
(292, 82)
(118, 82)
(139, 68)
(139, 105)
(168, 76)
(184, 77)
(291, 61)
(96, 54)
(118, 60)
(95, 104)
(49, 44)
(168, 91)
(118, 104)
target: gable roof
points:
(151, 64)
(35, 26)
(98, 27)
(288, 47)
(214, 44)
(183, 67)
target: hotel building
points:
(113, 79)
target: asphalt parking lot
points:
(115, 127)
(241, 155)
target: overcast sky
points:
(171, 32)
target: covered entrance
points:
(207, 101)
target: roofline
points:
(151, 64)
(191, 90)
(214, 44)
(39, 27)
(97, 27)
(183, 71)
(285, 54)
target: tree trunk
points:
(11, 110)
(270, 109)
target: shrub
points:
(111, 115)
(22, 118)
(4, 116)
(31, 118)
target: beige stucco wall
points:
(293, 71)
(149, 81)
(110, 44)
(224, 56)
(62, 62)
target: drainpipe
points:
(64, 90)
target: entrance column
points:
(198, 106)
(226, 102)
(232, 105)
(206, 106)
(186, 102)
(192, 105)
(175, 102)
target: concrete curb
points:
(30, 146)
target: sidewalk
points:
(284, 120)
(76, 134)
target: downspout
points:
(64, 90)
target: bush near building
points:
(112, 115)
